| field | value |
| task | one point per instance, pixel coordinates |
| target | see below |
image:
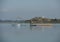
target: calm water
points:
(27, 33)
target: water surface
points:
(27, 33)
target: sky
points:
(27, 9)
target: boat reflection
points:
(39, 27)
(32, 27)
(16, 26)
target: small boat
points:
(18, 25)
(33, 25)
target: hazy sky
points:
(13, 9)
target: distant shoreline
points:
(33, 20)
(29, 22)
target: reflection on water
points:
(18, 26)
(24, 32)
(40, 27)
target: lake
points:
(25, 33)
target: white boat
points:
(18, 25)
